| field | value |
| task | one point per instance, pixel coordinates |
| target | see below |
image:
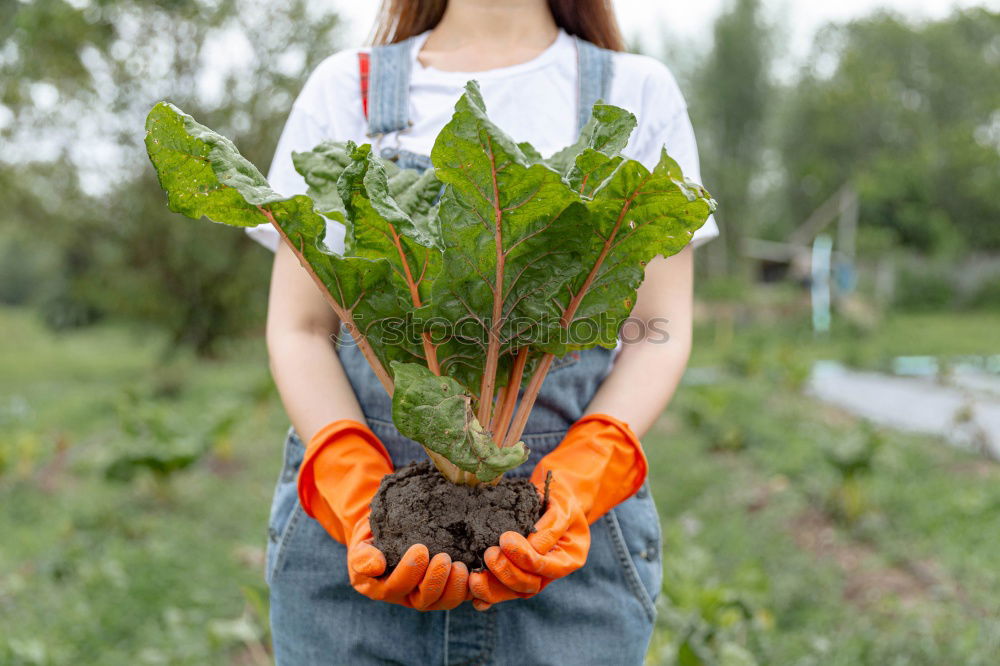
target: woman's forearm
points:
(641, 383)
(647, 371)
(311, 381)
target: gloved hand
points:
(340, 474)
(598, 465)
(557, 547)
(438, 585)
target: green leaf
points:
(193, 163)
(204, 174)
(437, 412)
(593, 157)
(511, 232)
(636, 214)
(519, 255)
(412, 191)
(321, 167)
(379, 227)
(416, 194)
(388, 206)
(688, 654)
(529, 152)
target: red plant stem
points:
(430, 351)
(510, 397)
(535, 385)
(493, 347)
(527, 401)
(495, 422)
(342, 313)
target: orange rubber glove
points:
(340, 474)
(598, 465)
(439, 584)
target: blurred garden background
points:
(827, 475)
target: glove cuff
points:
(340, 428)
(360, 453)
(604, 459)
(607, 419)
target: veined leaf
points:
(593, 157)
(414, 192)
(417, 195)
(204, 174)
(636, 214)
(511, 232)
(494, 255)
(437, 412)
(382, 195)
(378, 227)
(321, 167)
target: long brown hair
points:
(593, 20)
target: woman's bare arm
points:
(300, 327)
(647, 371)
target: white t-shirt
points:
(533, 101)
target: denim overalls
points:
(601, 614)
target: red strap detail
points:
(363, 72)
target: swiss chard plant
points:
(461, 284)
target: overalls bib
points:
(601, 614)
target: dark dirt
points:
(418, 505)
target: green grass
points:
(946, 334)
(905, 573)
(922, 548)
(100, 572)
(771, 557)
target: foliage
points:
(730, 101)
(923, 287)
(74, 79)
(521, 258)
(428, 408)
(908, 112)
(707, 412)
(20, 270)
(705, 621)
(853, 457)
(153, 441)
(987, 294)
(902, 583)
(96, 572)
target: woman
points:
(581, 589)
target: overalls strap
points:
(389, 88)
(388, 83)
(594, 66)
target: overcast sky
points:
(798, 19)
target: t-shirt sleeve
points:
(664, 121)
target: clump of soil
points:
(418, 505)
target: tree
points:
(78, 79)
(909, 113)
(730, 103)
